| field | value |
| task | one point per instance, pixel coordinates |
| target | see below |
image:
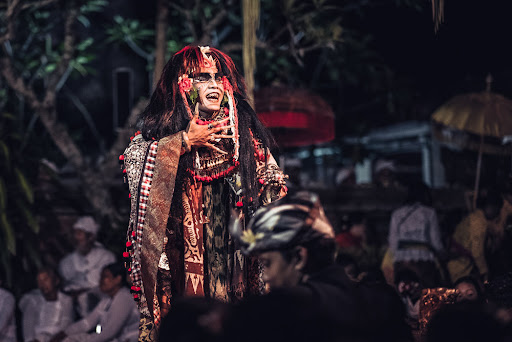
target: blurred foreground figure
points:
(295, 243)
(465, 321)
(201, 154)
(81, 269)
(45, 311)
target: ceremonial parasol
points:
(486, 115)
(296, 117)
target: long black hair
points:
(167, 114)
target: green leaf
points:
(84, 44)
(84, 21)
(78, 67)
(25, 186)
(28, 217)
(10, 240)
(50, 67)
(5, 151)
(3, 196)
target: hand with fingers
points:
(206, 135)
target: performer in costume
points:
(201, 156)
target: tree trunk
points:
(162, 12)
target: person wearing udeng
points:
(201, 153)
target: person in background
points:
(414, 236)
(80, 270)
(384, 172)
(115, 318)
(469, 289)
(46, 310)
(468, 239)
(346, 177)
(409, 288)
(7, 316)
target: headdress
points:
(293, 220)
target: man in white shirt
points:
(46, 310)
(81, 269)
(7, 318)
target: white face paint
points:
(210, 90)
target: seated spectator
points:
(114, 318)
(469, 289)
(81, 269)
(468, 240)
(385, 175)
(346, 177)
(409, 288)
(7, 316)
(353, 232)
(414, 236)
(45, 311)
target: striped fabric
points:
(142, 202)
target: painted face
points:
(277, 272)
(208, 83)
(466, 292)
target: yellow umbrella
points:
(484, 114)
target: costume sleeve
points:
(271, 178)
(393, 234)
(435, 233)
(115, 319)
(477, 243)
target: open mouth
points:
(213, 96)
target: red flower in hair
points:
(184, 83)
(226, 84)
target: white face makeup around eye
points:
(210, 90)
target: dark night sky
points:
(473, 40)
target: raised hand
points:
(207, 135)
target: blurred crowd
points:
(323, 283)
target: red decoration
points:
(121, 157)
(128, 243)
(239, 204)
(184, 83)
(208, 179)
(126, 255)
(297, 117)
(225, 83)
